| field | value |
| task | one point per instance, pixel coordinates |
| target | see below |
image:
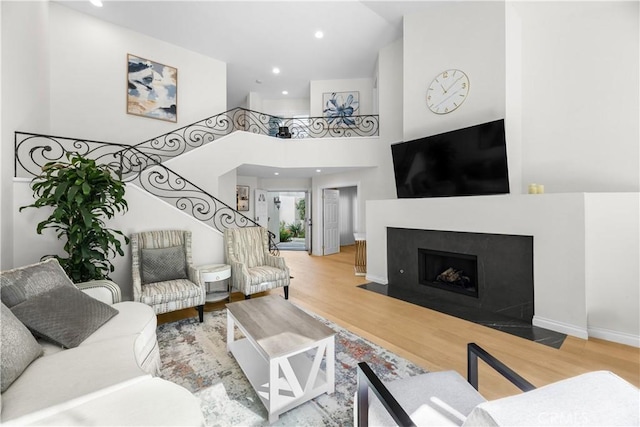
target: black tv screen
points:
(464, 162)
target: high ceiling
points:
(253, 37)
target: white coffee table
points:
(282, 352)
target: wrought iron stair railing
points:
(33, 151)
(162, 182)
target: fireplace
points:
(451, 271)
(499, 268)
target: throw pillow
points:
(162, 264)
(20, 284)
(65, 315)
(19, 348)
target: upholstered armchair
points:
(163, 274)
(253, 268)
(445, 398)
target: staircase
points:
(144, 164)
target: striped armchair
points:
(253, 268)
(163, 274)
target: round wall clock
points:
(447, 91)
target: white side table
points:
(215, 277)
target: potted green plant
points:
(82, 194)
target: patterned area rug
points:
(194, 355)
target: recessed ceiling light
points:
(318, 170)
(96, 3)
(284, 92)
(276, 70)
(276, 173)
(319, 34)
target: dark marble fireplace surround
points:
(504, 268)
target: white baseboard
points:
(615, 336)
(590, 332)
(381, 280)
(561, 327)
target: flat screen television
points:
(464, 162)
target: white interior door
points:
(330, 220)
(261, 208)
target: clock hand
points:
(445, 91)
(453, 94)
(458, 79)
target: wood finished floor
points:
(328, 286)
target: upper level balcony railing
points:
(197, 134)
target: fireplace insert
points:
(450, 271)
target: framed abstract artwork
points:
(152, 89)
(340, 107)
(242, 198)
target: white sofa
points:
(108, 379)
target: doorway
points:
(339, 218)
(288, 219)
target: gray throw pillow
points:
(19, 347)
(65, 315)
(162, 264)
(20, 284)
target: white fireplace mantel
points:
(586, 251)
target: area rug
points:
(194, 355)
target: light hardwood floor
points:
(328, 286)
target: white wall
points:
(285, 184)
(287, 108)
(469, 36)
(612, 252)
(513, 98)
(319, 87)
(390, 95)
(576, 248)
(580, 103)
(254, 102)
(25, 96)
(89, 85)
(145, 213)
(227, 188)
